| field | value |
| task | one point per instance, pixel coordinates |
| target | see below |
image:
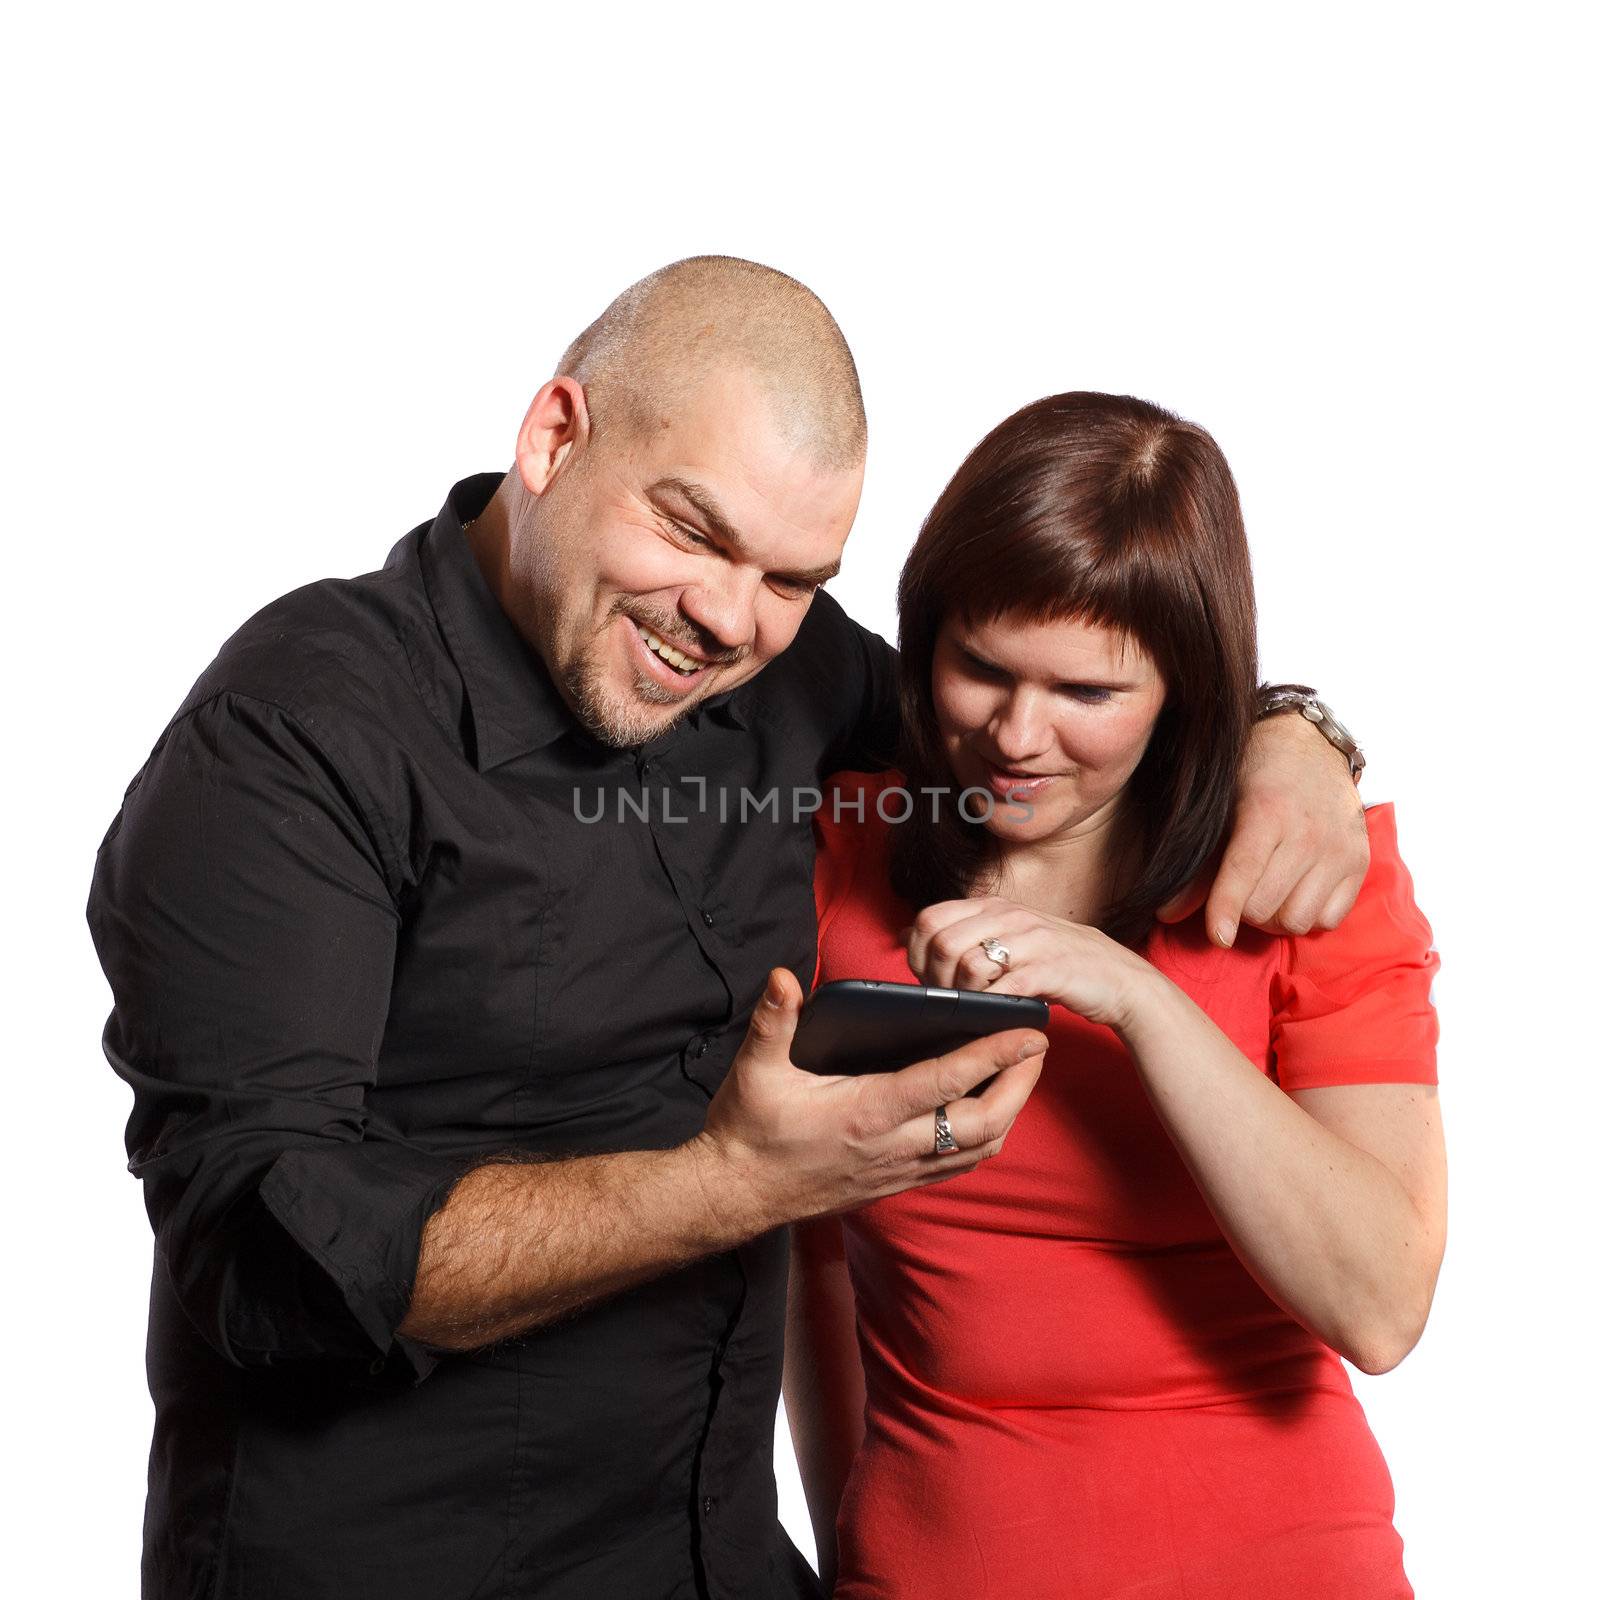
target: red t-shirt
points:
(1074, 1386)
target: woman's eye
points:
(1088, 693)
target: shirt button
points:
(707, 1505)
(700, 1047)
(707, 918)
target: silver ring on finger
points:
(996, 952)
(944, 1142)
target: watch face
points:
(1332, 726)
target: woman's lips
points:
(1014, 786)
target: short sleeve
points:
(1354, 1004)
(242, 917)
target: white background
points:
(279, 275)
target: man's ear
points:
(557, 424)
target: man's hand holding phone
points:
(782, 1144)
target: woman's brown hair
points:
(1107, 510)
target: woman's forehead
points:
(1051, 644)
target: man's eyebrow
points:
(712, 514)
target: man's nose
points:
(724, 611)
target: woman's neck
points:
(1077, 875)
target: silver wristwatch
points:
(1296, 697)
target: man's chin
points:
(624, 720)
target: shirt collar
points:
(516, 707)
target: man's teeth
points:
(675, 658)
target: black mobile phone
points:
(854, 1025)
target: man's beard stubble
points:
(622, 727)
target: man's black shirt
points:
(377, 909)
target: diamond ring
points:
(996, 952)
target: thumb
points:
(772, 1023)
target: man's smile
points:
(663, 663)
(686, 664)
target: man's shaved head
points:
(658, 340)
(683, 486)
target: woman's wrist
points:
(1151, 1001)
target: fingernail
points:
(1226, 932)
(1034, 1047)
(772, 995)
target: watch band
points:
(1273, 698)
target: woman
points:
(1107, 1361)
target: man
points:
(456, 1004)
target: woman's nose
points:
(1018, 731)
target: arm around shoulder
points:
(1298, 851)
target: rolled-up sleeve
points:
(244, 921)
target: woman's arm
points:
(1333, 1198)
(823, 1389)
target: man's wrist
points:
(1276, 699)
(1268, 697)
(736, 1205)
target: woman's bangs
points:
(1059, 578)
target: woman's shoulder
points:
(1383, 924)
(1384, 908)
(856, 806)
(1384, 918)
(853, 810)
(846, 788)
(850, 828)
(1346, 1004)
(1387, 871)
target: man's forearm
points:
(519, 1244)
